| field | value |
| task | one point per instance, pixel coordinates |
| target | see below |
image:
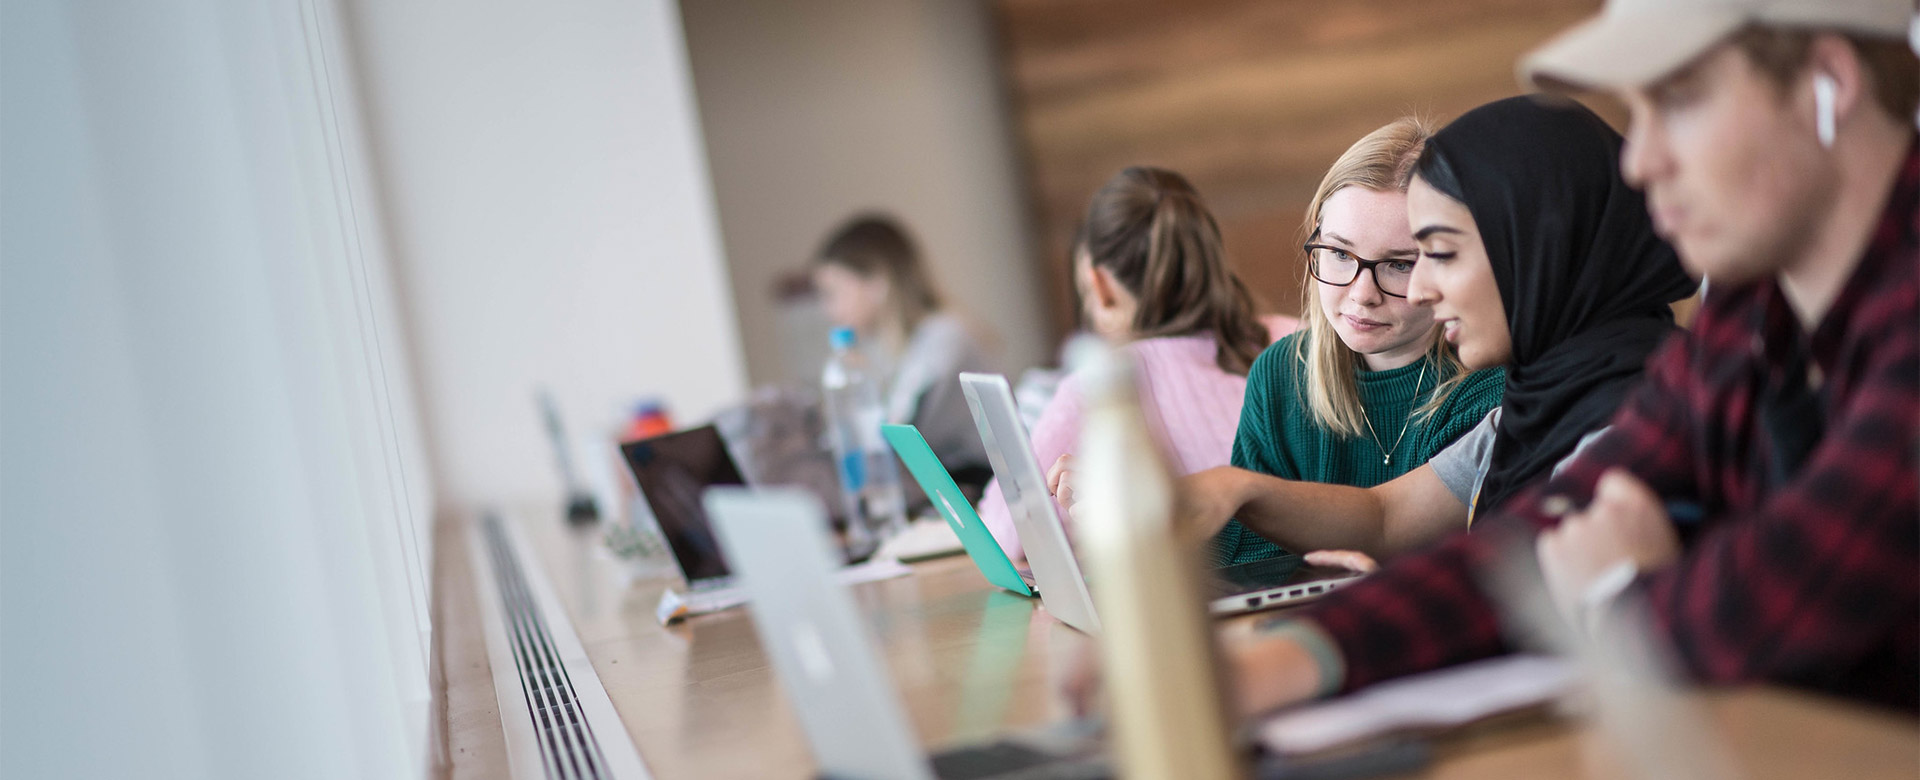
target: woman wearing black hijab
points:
(1531, 192)
(1535, 255)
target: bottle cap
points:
(842, 338)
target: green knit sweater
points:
(1279, 436)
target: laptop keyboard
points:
(1256, 575)
(1011, 761)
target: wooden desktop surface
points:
(971, 661)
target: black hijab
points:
(1585, 282)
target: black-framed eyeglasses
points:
(1339, 267)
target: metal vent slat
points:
(568, 747)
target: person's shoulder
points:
(1482, 389)
(941, 326)
(1892, 302)
(1164, 354)
(954, 339)
(1277, 366)
(1281, 358)
(1472, 403)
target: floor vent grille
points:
(543, 665)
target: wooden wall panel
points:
(1250, 99)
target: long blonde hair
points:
(1383, 162)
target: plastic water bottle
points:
(869, 480)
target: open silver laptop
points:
(1231, 590)
(1056, 573)
(828, 663)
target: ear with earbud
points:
(1823, 108)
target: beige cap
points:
(1635, 42)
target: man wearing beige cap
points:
(1758, 492)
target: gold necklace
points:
(1386, 453)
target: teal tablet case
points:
(946, 497)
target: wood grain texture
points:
(1250, 99)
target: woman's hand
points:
(1351, 560)
(1204, 501)
(1060, 481)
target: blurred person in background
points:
(871, 278)
(1152, 274)
(1758, 492)
(1368, 389)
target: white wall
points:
(552, 221)
(212, 552)
(815, 110)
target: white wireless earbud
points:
(1823, 119)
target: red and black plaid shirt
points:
(1812, 582)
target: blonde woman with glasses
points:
(1368, 390)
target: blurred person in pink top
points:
(1152, 275)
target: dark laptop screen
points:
(672, 472)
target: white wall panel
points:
(209, 556)
(553, 225)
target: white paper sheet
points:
(924, 538)
(1440, 699)
(674, 606)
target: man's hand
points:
(1264, 672)
(1625, 523)
(1267, 671)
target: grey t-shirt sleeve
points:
(1464, 463)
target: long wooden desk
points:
(970, 661)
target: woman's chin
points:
(1362, 343)
(1475, 358)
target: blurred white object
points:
(1436, 700)
(1646, 723)
(1034, 391)
(925, 537)
(675, 605)
(1169, 709)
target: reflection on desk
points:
(972, 661)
